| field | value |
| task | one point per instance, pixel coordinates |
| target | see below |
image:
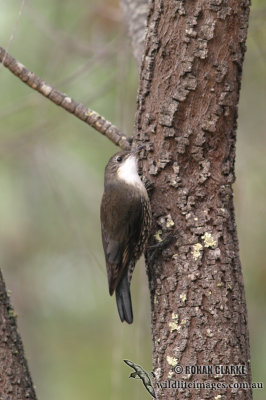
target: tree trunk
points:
(187, 112)
(15, 380)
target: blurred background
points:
(51, 182)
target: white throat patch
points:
(129, 173)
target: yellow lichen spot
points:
(183, 322)
(169, 222)
(155, 301)
(209, 333)
(218, 397)
(208, 240)
(183, 297)
(157, 236)
(174, 326)
(196, 251)
(196, 219)
(171, 361)
(158, 340)
(220, 284)
(175, 316)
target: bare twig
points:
(87, 115)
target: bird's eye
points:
(119, 159)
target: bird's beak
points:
(137, 149)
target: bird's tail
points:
(123, 300)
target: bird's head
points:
(123, 166)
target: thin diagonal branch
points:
(87, 115)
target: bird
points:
(125, 225)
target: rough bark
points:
(15, 380)
(135, 12)
(187, 113)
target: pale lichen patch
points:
(209, 333)
(196, 251)
(183, 297)
(169, 223)
(171, 361)
(157, 236)
(208, 240)
(166, 222)
(175, 316)
(174, 326)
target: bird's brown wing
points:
(121, 216)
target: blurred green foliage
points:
(51, 181)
